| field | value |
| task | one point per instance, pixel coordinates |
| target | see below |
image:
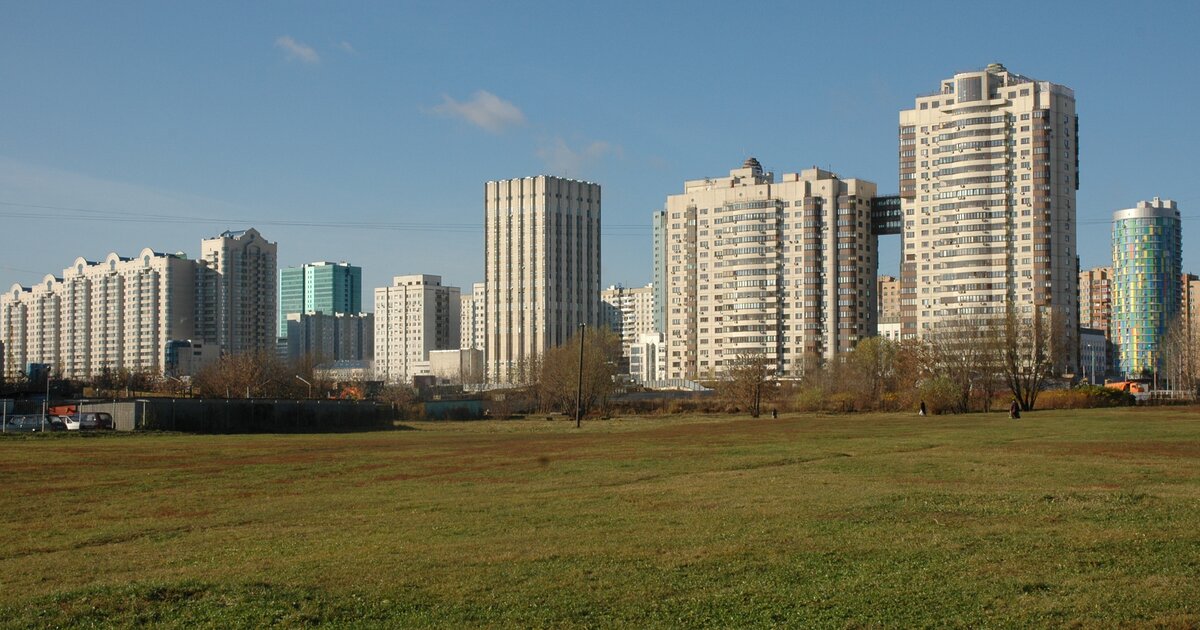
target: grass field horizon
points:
(1079, 517)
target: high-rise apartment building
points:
(659, 235)
(1147, 261)
(473, 328)
(118, 313)
(1095, 298)
(412, 317)
(319, 287)
(139, 313)
(889, 308)
(780, 269)
(245, 292)
(989, 166)
(629, 312)
(542, 268)
(330, 337)
(1189, 302)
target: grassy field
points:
(1088, 518)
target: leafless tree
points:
(747, 380)
(1179, 352)
(1032, 351)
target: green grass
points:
(1088, 518)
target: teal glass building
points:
(320, 287)
(1147, 267)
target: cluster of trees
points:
(962, 366)
(559, 382)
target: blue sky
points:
(128, 125)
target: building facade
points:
(1147, 260)
(988, 174)
(245, 293)
(782, 269)
(319, 287)
(542, 269)
(115, 314)
(629, 312)
(323, 337)
(648, 358)
(1095, 299)
(413, 317)
(659, 237)
(473, 327)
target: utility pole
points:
(579, 387)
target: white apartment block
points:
(629, 312)
(648, 358)
(988, 174)
(245, 295)
(118, 313)
(473, 328)
(413, 317)
(542, 268)
(783, 269)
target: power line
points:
(67, 213)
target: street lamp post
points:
(46, 402)
(305, 381)
(579, 386)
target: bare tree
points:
(746, 381)
(1032, 352)
(1179, 352)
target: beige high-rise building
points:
(118, 313)
(629, 312)
(783, 269)
(542, 268)
(1095, 299)
(1189, 302)
(889, 308)
(988, 174)
(412, 317)
(473, 328)
(245, 293)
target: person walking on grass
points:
(1014, 410)
(922, 412)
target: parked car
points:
(103, 420)
(89, 421)
(31, 423)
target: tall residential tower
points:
(542, 268)
(783, 269)
(245, 266)
(989, 166)
(1146, 293)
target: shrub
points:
(1084, 397)
(941, 395)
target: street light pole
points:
(46, 402)
(305, 381)
(579, 387)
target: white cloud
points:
(561, 159)
(297, 50)
(347, 47)
(484, 110)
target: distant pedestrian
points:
(774, 414)
(1014, 410)
(922, 412)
